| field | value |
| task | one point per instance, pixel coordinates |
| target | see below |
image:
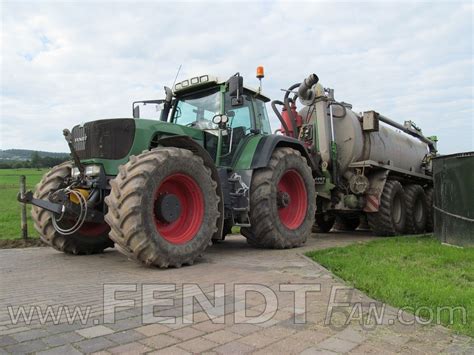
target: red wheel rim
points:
(93, 229)
(293, 213)
(191, 199)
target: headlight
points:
(90, 170)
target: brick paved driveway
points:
(41, 277)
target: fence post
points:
(24, 225)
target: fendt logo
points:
(80, 139)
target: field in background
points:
(415, 272)
(9, 207)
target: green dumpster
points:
(453, 200)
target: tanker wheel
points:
(416, 210)
(347, 223)
(282, 202)
(325, 222)
(163, 207)
(391, 216)
(429, 209)
(91, 238)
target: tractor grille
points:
(106, 139)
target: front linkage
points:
(72, 201)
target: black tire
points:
(325, 222)
(429, 209)
(133, 201)
(363, 223)
(347, 223)
(415, 209)
(227, 228)
(289, 225)
(77, 243)
(391, 216)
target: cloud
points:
(64, 63)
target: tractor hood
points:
(110, 142)
(105, 139)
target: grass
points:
(409, 272)
(9, 207)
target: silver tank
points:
(387, 146)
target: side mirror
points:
(236, 89)
(136, 111)
(168, 94)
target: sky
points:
(64, 63)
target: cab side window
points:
(262, 116)
(239, 116)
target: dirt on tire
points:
(267, 230)
(416, 209)
(77, 243)
(131, 203)
(391, 216)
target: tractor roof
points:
(198, 82)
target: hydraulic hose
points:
(278, 114)
(288, 108)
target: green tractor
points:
(163, 189)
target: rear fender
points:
(185, 142)
(268, 144)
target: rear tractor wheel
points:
(163, 207)
(282, 202)
(91, 238)
(391, 216)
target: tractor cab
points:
(225, 111)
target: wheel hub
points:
(167, 208)
(283, 199)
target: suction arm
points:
(304, 91)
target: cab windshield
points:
(197, 110)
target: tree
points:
(35, 160)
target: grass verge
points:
(9, 207)
(411, 272)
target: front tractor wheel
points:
(282, 202)
(163, 207)
(91, 238)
